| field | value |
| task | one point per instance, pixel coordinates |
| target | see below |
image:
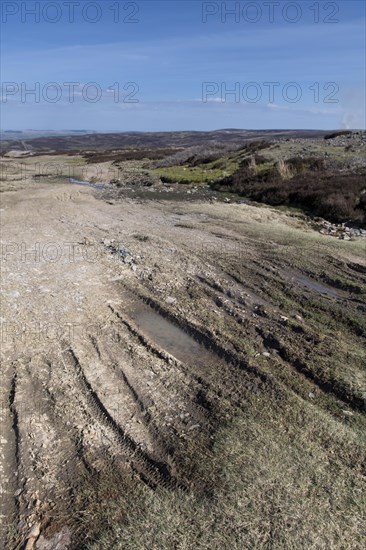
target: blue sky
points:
(170, 65)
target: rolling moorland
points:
(183, 330)
(60, 141)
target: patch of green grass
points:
(204, 173)
(263, 167)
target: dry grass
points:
(266, 491)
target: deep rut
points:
(152, 472)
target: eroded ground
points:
(179, 375)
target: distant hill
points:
(6, 135)
(86, 140)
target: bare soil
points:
(150, 346)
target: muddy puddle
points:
(311, 284)
(88, 183)
(168, 336)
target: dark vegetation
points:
(335, 196)
(255, 146)
(318, 185)
(196, 156)
(336, 134)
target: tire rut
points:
(169, 360)
(150, 471)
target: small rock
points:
(170, 300)
(32, 536)
(34, 531)
(266, 354)
(312, 395)
(123, 252)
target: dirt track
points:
(116, 327)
